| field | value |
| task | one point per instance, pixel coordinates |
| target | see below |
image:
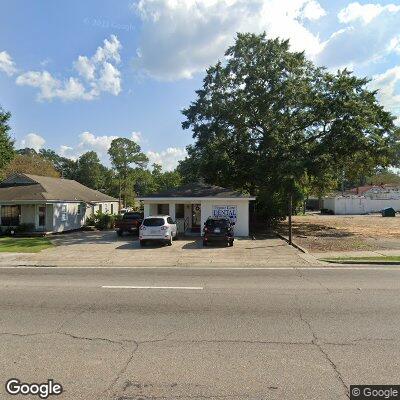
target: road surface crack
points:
(124, 367)
(318, 345)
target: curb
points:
(360, 262)
(295, 245)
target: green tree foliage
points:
(89, 170)
(65, 166)
(165, 180)
(6, 144)
(30, 164)
(124, 155)
(269, 122)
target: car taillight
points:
(164, 228)
(205, 230)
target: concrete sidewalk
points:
(105, 249)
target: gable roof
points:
(34, 187)
(198, 190)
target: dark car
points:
(130, 222)
(218, 230)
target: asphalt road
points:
(200, 334)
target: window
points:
(162, 209)
(10, 215)
(154, 222)
(179, 210)
(100, 208)
(112, 208)
(79, 209)
(133, 215)
(64, 209)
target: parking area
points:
(106, 249)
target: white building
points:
(365, 200)
(49, 204)
(191, 205)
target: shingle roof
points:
(34, 187)
(198, 190)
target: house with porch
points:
(49, 204)
(191, 205)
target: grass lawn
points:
(24, 245)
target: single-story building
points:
(191, 205)
(50, 204)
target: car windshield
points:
(132, 216)
(154, 222)
(217, 223)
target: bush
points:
(24, 228)
(101, 221)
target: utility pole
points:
(290, 216)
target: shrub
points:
(101, 221)
(23, 228)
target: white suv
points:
(158, 228)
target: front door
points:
(196, 216)
(41, 216)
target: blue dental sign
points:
(225, 212)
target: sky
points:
(77, 74)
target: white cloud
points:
(182, 37)
(388, 88)
(313, 11)
(98, 73)
(364, 12)
(50, 88)
(110, 79)
(33, 141)
(367, 38)
(100, 144)
(137, 137)
(168, 158)
(85, 67)
(394, 45)
(7, 65)
(68, 152)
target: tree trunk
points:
(290, 217)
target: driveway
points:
(106, 249)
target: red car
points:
(129, 223)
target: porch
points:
(35, 218)
(187, 215)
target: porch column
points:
(172, 210)
(146, 209)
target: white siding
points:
(242, 223)
(28, 214)
(73, 220)
(357, 205)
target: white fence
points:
(357, 205)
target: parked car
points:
(130, 222)
(218, 230)
(158, 228)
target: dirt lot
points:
(323, 233)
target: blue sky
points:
(76, 74)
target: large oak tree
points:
(270, 122)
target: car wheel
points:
(119, 232)
(231, 243)
(142, 243)
(204, 243)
